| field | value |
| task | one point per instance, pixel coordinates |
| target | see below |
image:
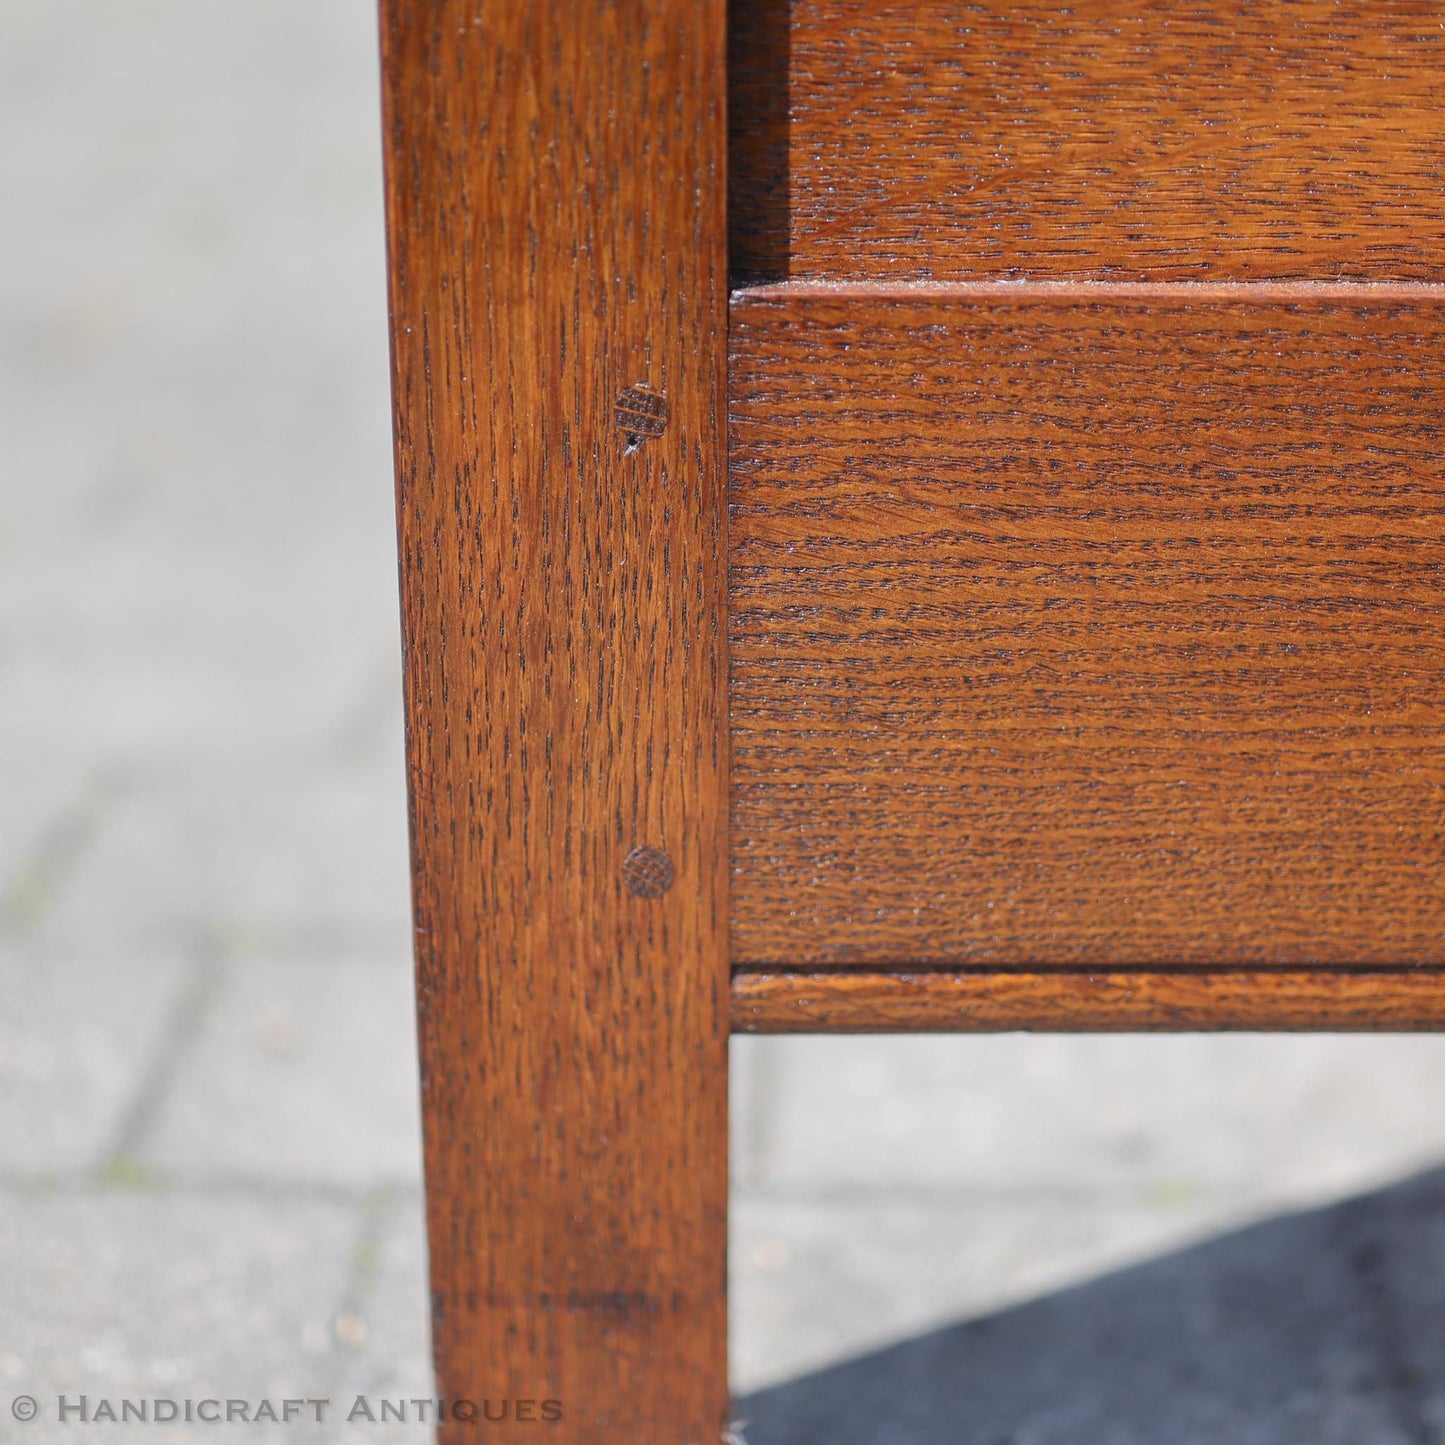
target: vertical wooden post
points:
(555, 185)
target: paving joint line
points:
(57, 849)
(188, 1010)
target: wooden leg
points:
(555, 175)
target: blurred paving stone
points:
(198, 612)
(821, 1278)
(885, 1185)
(195, 482)
(749, 1104)
(173, 1295)
(326, 854)
(1250, 1120)
(175, 701)
(1270, 1336)
(141, 881)
(140, 674)
(303, 1069)
(78, 1034)
(391, 1359)
(256, 850)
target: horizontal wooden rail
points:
(1045, 289)
(1244, 138)
(1075, 1001)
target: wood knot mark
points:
(647, 872)
(641, 413)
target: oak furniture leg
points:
(555, 196)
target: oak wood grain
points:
(558, 290)
(1088, 625)
(938, 1001)
(1156, 139)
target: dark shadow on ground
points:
(1321, 1328)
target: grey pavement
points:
(209, 1169)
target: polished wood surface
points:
(1157, 139)
(939, 1001)
(1088, 625)
(558, 304)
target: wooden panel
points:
(1088, 625)
(936, 1001)
(558, 292)
(1218, 139)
